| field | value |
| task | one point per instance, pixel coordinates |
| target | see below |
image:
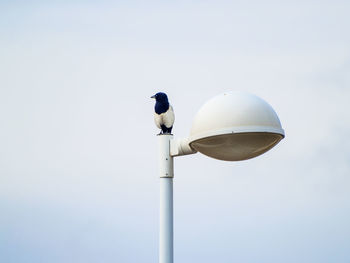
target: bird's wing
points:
(168, 117)
(158, 120)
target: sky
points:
(78, 146)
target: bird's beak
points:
(153, 97)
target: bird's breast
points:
(166, 118)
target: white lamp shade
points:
(235, 126)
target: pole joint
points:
(166, 166)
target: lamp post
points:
(232, 126)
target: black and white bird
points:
(164, 114)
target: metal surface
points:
(166, 224)
(165, 160)
(180, 147)
(235, 126)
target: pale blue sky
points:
(78, 151)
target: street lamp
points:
(232, 126)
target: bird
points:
(164, 116)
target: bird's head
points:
(160, 97)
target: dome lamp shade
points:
(235, 126)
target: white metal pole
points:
(166, 224)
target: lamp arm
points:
(180, 147)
